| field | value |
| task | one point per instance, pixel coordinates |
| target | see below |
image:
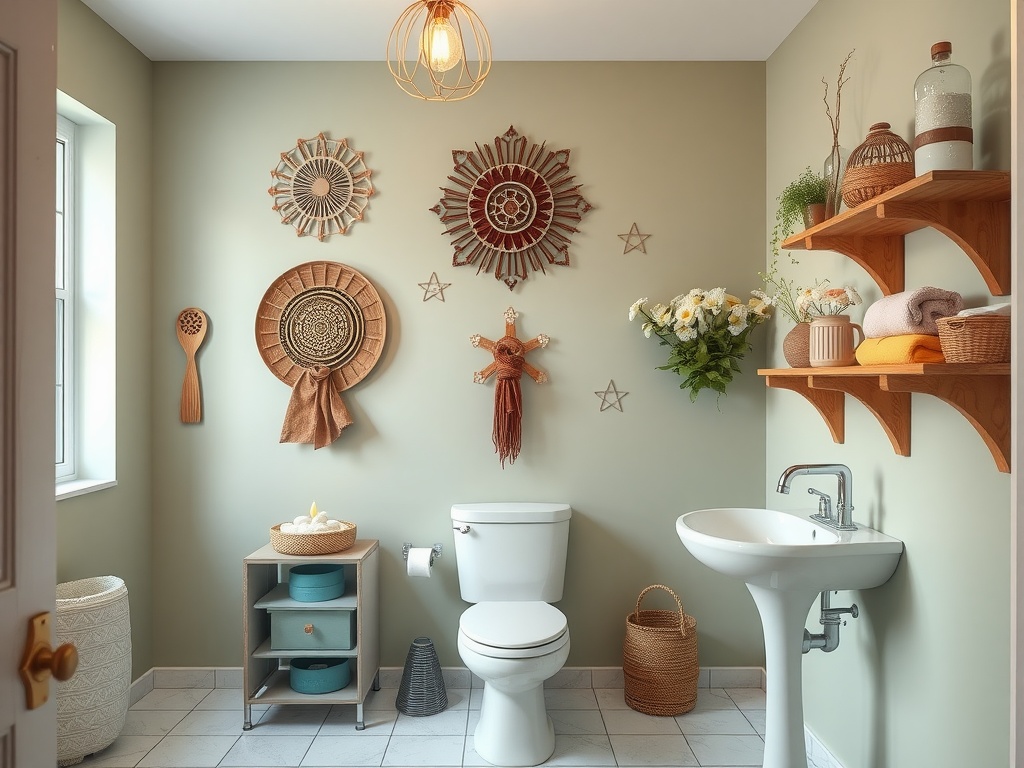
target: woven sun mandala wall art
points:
(321, 187)
(513, 209)
(320, 329)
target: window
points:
(86, 301)
(65, 292)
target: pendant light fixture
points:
(439, 50)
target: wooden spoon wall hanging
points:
(191, 327)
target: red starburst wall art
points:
(513, 209)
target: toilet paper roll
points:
(419, 561)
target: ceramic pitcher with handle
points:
(832, 341)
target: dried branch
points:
(840, 82)
(832, 200)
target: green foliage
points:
(807, 189)
(709, 361)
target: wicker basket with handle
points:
(324, 543)
(659, 659)
(981, 338)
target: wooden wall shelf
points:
(972, 208)
(980, 392)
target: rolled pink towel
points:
(910, 312)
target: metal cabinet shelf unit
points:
(266, 670)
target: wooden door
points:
(28, 87)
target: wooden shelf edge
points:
(908, 369)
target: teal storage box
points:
(319, 675)
(313, 583)
(312, 630)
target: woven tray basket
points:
(313, 543)
(975, 339)
(659, 659)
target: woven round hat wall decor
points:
(320, 328)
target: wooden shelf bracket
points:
(881, 257)
(981, 229)
(983, 400)
(830, 404)
(892, 409)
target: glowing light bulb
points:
(442, 49)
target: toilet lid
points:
(513, 625)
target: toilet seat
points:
(513, 629)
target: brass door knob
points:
(40, 662)
(60, 663)
(308, 629)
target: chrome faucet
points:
(843, 519)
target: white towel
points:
(910, 312)
(992, 309)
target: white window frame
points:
(94, 287)
(66, 436)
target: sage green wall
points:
(109, 532)
(676, 148)
(922, 677)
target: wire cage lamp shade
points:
(439, 50)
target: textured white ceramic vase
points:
(832, 341)
(92, 614)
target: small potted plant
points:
(802, 200)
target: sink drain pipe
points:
(830, 619)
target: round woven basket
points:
(883, 161)
(975, 339)
(325, 543)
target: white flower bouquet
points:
(801, 305)
(706, 332)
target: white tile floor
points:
(202, 727)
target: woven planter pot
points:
(93, 615)
(796, 346)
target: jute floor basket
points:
(659, 659)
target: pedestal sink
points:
(786, 559)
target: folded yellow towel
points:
(905, 348)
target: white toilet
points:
(511, 561)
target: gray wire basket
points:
(422, 691)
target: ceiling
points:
(520, 30)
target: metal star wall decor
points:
(321, 187)
(433, 288)
(611, 397)
(634, 240)
(512, 208)
(509, 365)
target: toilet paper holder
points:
(435, 551)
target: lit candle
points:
(312, 510)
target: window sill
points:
(71, 488)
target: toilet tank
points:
(511, 551)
